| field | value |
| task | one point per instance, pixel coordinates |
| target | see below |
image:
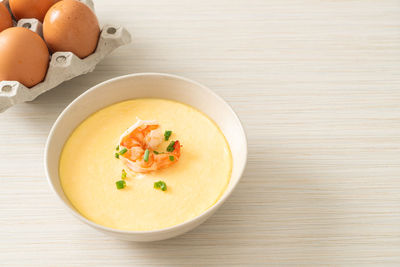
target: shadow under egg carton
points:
(63, 66)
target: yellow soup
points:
(89, 169)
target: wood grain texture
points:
(317, 86)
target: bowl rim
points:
(209, 211)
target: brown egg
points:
(71, 26)
(24, 56)
(5, 18)
(27, 9)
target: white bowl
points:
(141, 86)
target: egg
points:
(24, 56)
(27, 9)
(5, 18)
(71, 26)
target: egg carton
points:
(63, 66)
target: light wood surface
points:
(317, 86)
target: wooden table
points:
(317, 86)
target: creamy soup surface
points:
(89, 169)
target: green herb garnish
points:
(123, 175)
(156, 152)
(123, 151)
(121, 184)
(171, 158)
(117, 148)
(171, 147)
(167, 135)
(117, 155)
(160, 185)
(146, 155)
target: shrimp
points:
(142, 136)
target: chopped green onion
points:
(123, 175)
(117, 155)
(123, 151)
(171, 147)
(167, 135)
(146, 155)
(160, 185)
(121, 184)
(117, 148)
(171, 158)
(156, 152)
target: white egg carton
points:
(63, 65)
